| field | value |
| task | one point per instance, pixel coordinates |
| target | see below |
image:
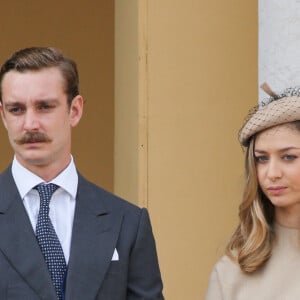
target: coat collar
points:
(18, 242)
(95, 233)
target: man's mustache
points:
(33, 137)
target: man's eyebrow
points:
(13, 103)
(46, 100)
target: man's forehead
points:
(54, 71)
(31, 86)
(46, 77)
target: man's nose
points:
(31, 122)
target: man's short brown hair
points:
(37, 58)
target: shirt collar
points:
(67, 179)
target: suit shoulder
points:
(6, 174)
(109, 199)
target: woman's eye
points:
(289, 157)
(261, 159)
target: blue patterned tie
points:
(48, 240)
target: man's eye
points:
(15, 110)
(45, 107)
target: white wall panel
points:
(279, 44)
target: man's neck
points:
(47, 171)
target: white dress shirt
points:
(62, 204)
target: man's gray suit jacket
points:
(102, 223)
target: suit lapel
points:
(18, 242)
(94, 238)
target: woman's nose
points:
(274, 170)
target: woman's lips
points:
(276, 190)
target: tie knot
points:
(46, 190)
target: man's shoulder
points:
(6, 175)
(108, 198)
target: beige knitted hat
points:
(278, 109)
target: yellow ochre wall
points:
(185, 77)
(84, 30)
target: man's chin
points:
(34, 161)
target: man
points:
(91, 245)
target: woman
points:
(262, 258)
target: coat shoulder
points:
(109, 199)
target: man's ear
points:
(76, 110)
(2, 115)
